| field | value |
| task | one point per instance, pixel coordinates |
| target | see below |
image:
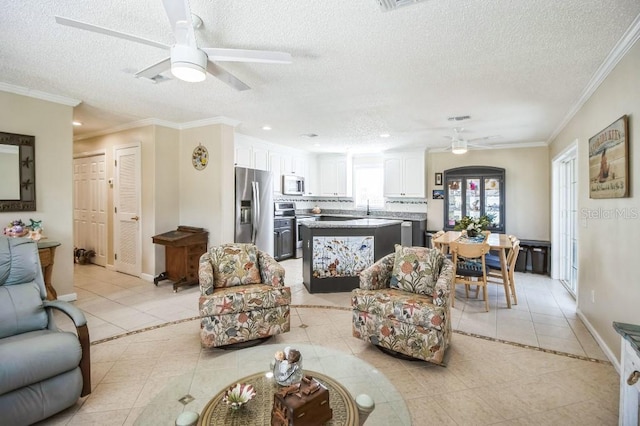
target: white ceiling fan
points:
(459, 145)
(188, 62)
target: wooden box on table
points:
(302, 404)
(183, 248)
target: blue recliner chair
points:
(42, 370)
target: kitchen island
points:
(334, 252)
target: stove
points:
(281, 209)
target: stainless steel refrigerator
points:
(254, 208)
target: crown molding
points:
(37, 94)
(621, 48)
(210, 121)
(127, 126)
(159, 122)
(509, 145)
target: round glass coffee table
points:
(216, 371)
(258, 410)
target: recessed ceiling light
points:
(76, 123)
(385, 135)
(266, 127)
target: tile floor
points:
(485, 382)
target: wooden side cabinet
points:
(47, 253)
(183, 248)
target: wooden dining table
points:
(498, 242)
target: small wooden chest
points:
(302, 404)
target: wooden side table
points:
(47, 253)
(183, 248)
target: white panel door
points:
(89, 206)
(127, 232)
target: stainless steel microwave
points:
(292, 185)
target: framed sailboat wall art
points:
(609, 161)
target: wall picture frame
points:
(438, 179)
(609, 161)
(438, 194)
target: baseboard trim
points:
(111, 268)
(612, 358)
(147, 277)
(71, 297)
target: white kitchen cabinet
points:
(260, 159)
(335, 176)
(243, 156)
(312, 178)
(404, 175)
(275, 167)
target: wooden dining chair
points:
(469, 267)
(494, 272)
(435, 245)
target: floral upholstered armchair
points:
(403, 303)
(242, 295)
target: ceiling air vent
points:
(394, 4)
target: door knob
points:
(136, 218)
(633, 378)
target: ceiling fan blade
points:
(226, 77)
(179, 14)
(486, 138)
(244, 55)
(96, 29)
(155, 69)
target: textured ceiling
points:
(516, 67)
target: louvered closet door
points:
(127, 236)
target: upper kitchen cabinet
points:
(295, 165)
(335, 176)
(312, 180)
(244, 156)
(275, 167)
(474, 191)
(404, 174)
(252, 157)
(260, 159)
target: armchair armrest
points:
(443, 284)
(271, 272)
(78, 318)
(76, 315)
(205, 275)
(378, 275)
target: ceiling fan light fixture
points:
(458, 146)
(188, 63)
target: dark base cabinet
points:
(284, 239)
(385, 239)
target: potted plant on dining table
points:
(473, 226)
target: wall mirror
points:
(17, 172)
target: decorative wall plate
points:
(200, 157)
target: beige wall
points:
(50, 123)
(207, 196)
(527, 197)
(607, 246)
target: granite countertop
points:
(629, 332)
(356, 214)
(355, 223)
